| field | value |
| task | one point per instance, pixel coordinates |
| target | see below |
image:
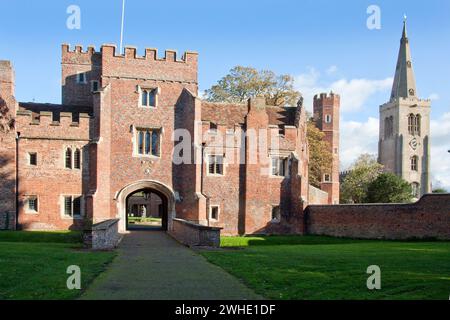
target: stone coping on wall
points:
(428, 218)
(195, 235)
(196, 225)
(104, 225)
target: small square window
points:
(215, 165)
(95, 86)
(81, 78)
(32, 159)
(276, 214)
(72, 206)
(280, 166)
(214, 213)
(32, 204)
(327, 178)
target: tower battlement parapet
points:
(130, 52)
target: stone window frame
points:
(30, 155)
(62, 200)
(78, 80)
(274, 207)
(73, 150)
(328, 118)
(93, 86)
(414, 164)
(414, 124)
(287, 171)
(157, 92)
(27, 204)
(327, 178)
(210, 216)
(136, 130)
(210, 155)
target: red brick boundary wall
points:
(428, 218)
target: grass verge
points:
(323, 268)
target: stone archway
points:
(158, 187)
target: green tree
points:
(440, 190)
(243, 83)
(320, 157)
(389, 188)
(356, 183)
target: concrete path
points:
(153, 266)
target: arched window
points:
(415, 163)
(77, 159)
(68, 161)
(414, 124)
(415, 189)
(411, 124)
(418, 124)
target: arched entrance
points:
(146, 189)
(147, 210)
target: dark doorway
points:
(147, 209)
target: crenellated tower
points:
(326, 117)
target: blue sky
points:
(325, 44)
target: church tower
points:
(404, 147)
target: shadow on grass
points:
(42, 236)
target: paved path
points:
(153, 266)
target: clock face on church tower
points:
(414, 144)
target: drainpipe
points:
(202, 178)
(17, 181)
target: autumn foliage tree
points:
(320, 157)
(243, 83)
(6, 121)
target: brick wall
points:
(428, 218)
(7, 150)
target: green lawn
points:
(322, 268)
(147, 220)
(33, 264)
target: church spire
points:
(404, 81)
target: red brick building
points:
(130, 123)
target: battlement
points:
(130, 52)
(42, 124)
(327, 97)
(6, 71)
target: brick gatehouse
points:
(116, 133)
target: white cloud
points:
(362, 137)
(440, 158)
(332, 70)
(434, 96)
(358, 138)
(354, 92)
